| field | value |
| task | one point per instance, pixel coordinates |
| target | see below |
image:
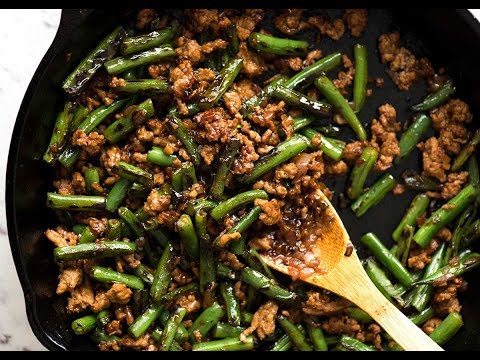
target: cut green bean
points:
(79, 114)
(282, 344)
(232, 304)
(144, 273)
(223, 271)
(206, 321)
(423, 293)
(150, 86)
(278, 46)
(437, 98)
(93, 250)
(84, 325)
(334, 97)
(447, 329)
(360, 54)
(224, 330)
(172, 295)
(75, 202)
(92, 177)
(317, 338)
(180, 131)
(104, 51)
(156, 156)
(171, 328)
(147, 57)
(331, 148)
(445, 215)
(350, 344)
(144, 321)
(266, 285)
(133, 173)
(228, 206)
(100, 335)
(241, 226)
(135, 44)
(362, 168)
(249, 105)
(78, 228)
(225, 164)
(207, 260)
(282, 153)
(186, 230)
(297, 99)
(103, 317)
(416, 208)
(114, 230)
(228, 344)
(302, 122)
(297, 337)
(97, 116)
(117, 194)
(131, 220)
(87, 236)
(373, 195)
(306, 76)
(59, 134)
(106, 275)
(373, 243)
(467, 150)
(474, 176)
(359, 315)
(163, 275)
(412, 136)
(424, 315)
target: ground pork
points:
(321, 304)
(81, 298)
(262, 243)
(445, 296)
(110, 156)
(144, 18)
(345, 78)
(230, 259)
(373, 335)
(216, 123)
(156, 202)
(232, 101)
(253, 64)
(312, 56)
(451, 187)
(189, 49)
(435, 161)
(384, 137)
(200, 20)
(188, 302)
(419, 258)
(431, 324)
(352, 151)
(226, 238)
(61, 237)
(246, 89)
(356, 20)
(340, 325)
(263, 321)
(119, 294)
(271, 213)
(240, 293)
(183, 79)
(136, 344)
(247, 22)
(91, 143)
(68, 279)
(332, 28)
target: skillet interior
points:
(440, 34)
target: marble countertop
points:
(35, 28)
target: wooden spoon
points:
(345, 276)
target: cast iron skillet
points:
(449, 38)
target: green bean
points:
(304, 77)
(472, 233)
(92, 176)
(359, 174)
(131, 220)
(106, 275)
(297, 337)
(171, 329)
(283, 344)
(381, 281)
(461, 227)
(75, 202)
(474, 176)
(282, 153)
(103, 317)
(163, 275)
(447, 329)
(330, 130)
(412, 136)
(297, 99)
(228, 206)
(249, 105)
(84, 325)
(78, 228)
(437, 98)
(59, 134)
(467, 150)
(424, 315)
(152, 86)
(224, 330)
(144, 321)
(350, 344)
(267, 286)
(373, 195)
(452, 270)
(241, 226)
(147, 57)
(156, 156)
(184, 177)
(180, 131)
(416, 208)
(255, 261)
(117, 194)
(302, 122)
(206, 321)
(225, 164)
(226, 272)
(359, 315)
(379, 250)
(133, 173)
(87, 236)
(420, 182)
(131, 74)
(172, 295)
(100, 335)
(317, 338)
(360, 77)
(134, 44)
(186, 230)
(104, 51)
(196, 204)
(120, 128)
(207, 260)
(144, 273)
(228, 344)
(278, 46)
(232, 304)
(79, 114)
(97, 116)
(139, 190)
(181, 335)
(423, 293)
(331, 148)
(334, 97)
(114, 230)
(444, 215)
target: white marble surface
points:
(25, 36)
